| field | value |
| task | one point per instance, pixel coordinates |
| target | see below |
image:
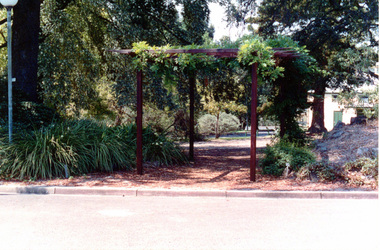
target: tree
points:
(288, 96)
(195, 18)
(74, 36)
(217, 110)
(366, 100)
(26, 23)
(326, 28)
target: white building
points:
(336, 111)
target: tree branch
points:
(169, 30)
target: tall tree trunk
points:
(26, 25)
(318, 106)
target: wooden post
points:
(253, 123)
(139, 142)
(192, 89)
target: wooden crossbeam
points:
(219, 53)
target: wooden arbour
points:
(285, 53)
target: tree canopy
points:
(333, 31)
(75, 36)
(77, 75)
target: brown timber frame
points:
(218, 53)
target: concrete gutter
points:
(52, 190)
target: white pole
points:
(10, 108)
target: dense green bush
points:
(159, 148)
(81, 147)
(284, 154)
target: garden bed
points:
(219, 165)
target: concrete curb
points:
(45, 190)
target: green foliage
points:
(252, 50)
(26, 115)
(206, 124)
(156, 57)
(74, 38)
(68, 64)
(334, 32)
(145, 53)
(73, 61)
(283, 155)
(366, 166)
(322, 171)
(359, 172)
(83, 146)
(323, 26)
(255, 50)
(352, 67)
(213, 107)
(223, 88)
(158, 148)
(156, 21)
(195, 18)
(228, 123)
(211, 124)
(353, 99)
(158, 120)
(285, 104)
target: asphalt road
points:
(111, 222)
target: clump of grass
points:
(81, 147)
(164, 151)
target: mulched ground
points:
(219, 165)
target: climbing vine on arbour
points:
(252, 50)
(257, 51)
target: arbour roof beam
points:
(219, 53)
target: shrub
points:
(159, 148)
(285, 154)
(226, 123)
(366, 166)
(206, 124)
(163, 151)
(322, 170)
(82, 146)
(158, 120)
